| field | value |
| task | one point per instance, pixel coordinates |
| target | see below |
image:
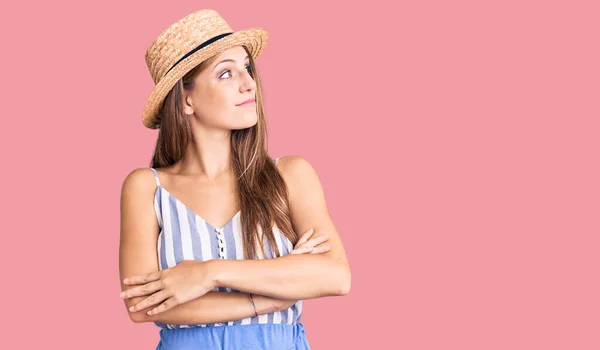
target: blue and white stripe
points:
(184, 235)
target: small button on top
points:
(220, 242)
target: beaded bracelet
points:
(252, 301)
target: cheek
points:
(217, 105)
(212, 102)
(221, 97)
(222, 107)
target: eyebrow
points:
(226, 60)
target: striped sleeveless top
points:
(184, 235)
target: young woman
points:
(209, 249)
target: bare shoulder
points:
(301, 179)
(137, 191)
(294, 168)
(139, 183)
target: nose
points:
(247, 83)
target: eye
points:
(248, 68)
(221, 76)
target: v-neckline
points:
(198, 216)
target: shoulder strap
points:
(156, 177)
(276, 161)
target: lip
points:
(247, 102)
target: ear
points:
(188, 107)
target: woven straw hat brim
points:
(253, 38)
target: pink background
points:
(457, 143)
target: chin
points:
(246, 124)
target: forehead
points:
(236, 53)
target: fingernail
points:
(122, 294)
(132, 308)
(126, 280)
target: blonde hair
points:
(261, 191)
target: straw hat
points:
(185, 44)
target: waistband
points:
(252, 336)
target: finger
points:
(297, 251)
(145, 289)
(317, 240)
(305, 236)
(307, 250)
(149, 277)
(150, 301)
(302, 250)
(169, 304)
(324, 248)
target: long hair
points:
(261, 191)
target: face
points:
(219, 91)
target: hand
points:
(185, 281)
(306, 246)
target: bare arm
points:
(138, 256)
(295, 276)
(211, 308)
(289, 277)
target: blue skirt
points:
(248, 337)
